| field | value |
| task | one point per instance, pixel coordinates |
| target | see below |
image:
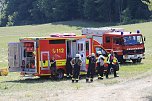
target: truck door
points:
(81, 44)
(117, 45)
(14, 57)
(45, 60)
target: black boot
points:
(87, 80)
(99, 77)
(72, 81)
(77, 81)
(91, 79)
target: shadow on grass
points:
(36, 80)
(130, 64)
(42, 80)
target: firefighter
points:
(68, 66)
(114, 65)
(53, 66)
(76, 63)
(109, 62)
(91, 67)
(100, 65)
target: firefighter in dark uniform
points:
(110, 60)
(53, 66)
(91, 67)
(100, 65)
(76, 63)
(114, 65)
(68, 66)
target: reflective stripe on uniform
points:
(73, 78)
(114, 60)
(87, 61)
(45, 63)
(108, 59)
(61, 62)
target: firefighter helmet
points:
(77, 55)
(92, 54)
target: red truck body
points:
(31, 56)
(126, 45)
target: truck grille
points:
(130, 52)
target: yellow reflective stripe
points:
(105, 60)
(61, 62)
(87, 61)
(83, 72)
(114, 60)
(45, 64)
(58, 63)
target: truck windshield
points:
(132, 40)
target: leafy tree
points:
(2, 13)
(81, 9)
(90, 9)
(149, 3)
(138, 9)
(126, 16)
(17, 12)
(42, 11)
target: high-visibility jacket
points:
(109, 59)
(106, 62)
(114, 61)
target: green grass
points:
(13, 82)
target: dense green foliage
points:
(18, 12)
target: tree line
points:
(19, 12)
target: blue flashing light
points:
(138, 31)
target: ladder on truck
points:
(100, 31)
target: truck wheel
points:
(122, 61)
(134, 61)
(139, 60)
(60, 74)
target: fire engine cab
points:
(31, 56)
(126, 45)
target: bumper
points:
(135, 56)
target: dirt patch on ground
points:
(131, 90)
(136, 90)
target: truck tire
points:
(122, 61)
(134, 60)
(60, 74)
(139, 60)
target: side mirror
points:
(144, 38)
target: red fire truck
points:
(126, 45)
(31, 56)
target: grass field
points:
(16, 84)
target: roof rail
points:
(101, 30)
(62, 34)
